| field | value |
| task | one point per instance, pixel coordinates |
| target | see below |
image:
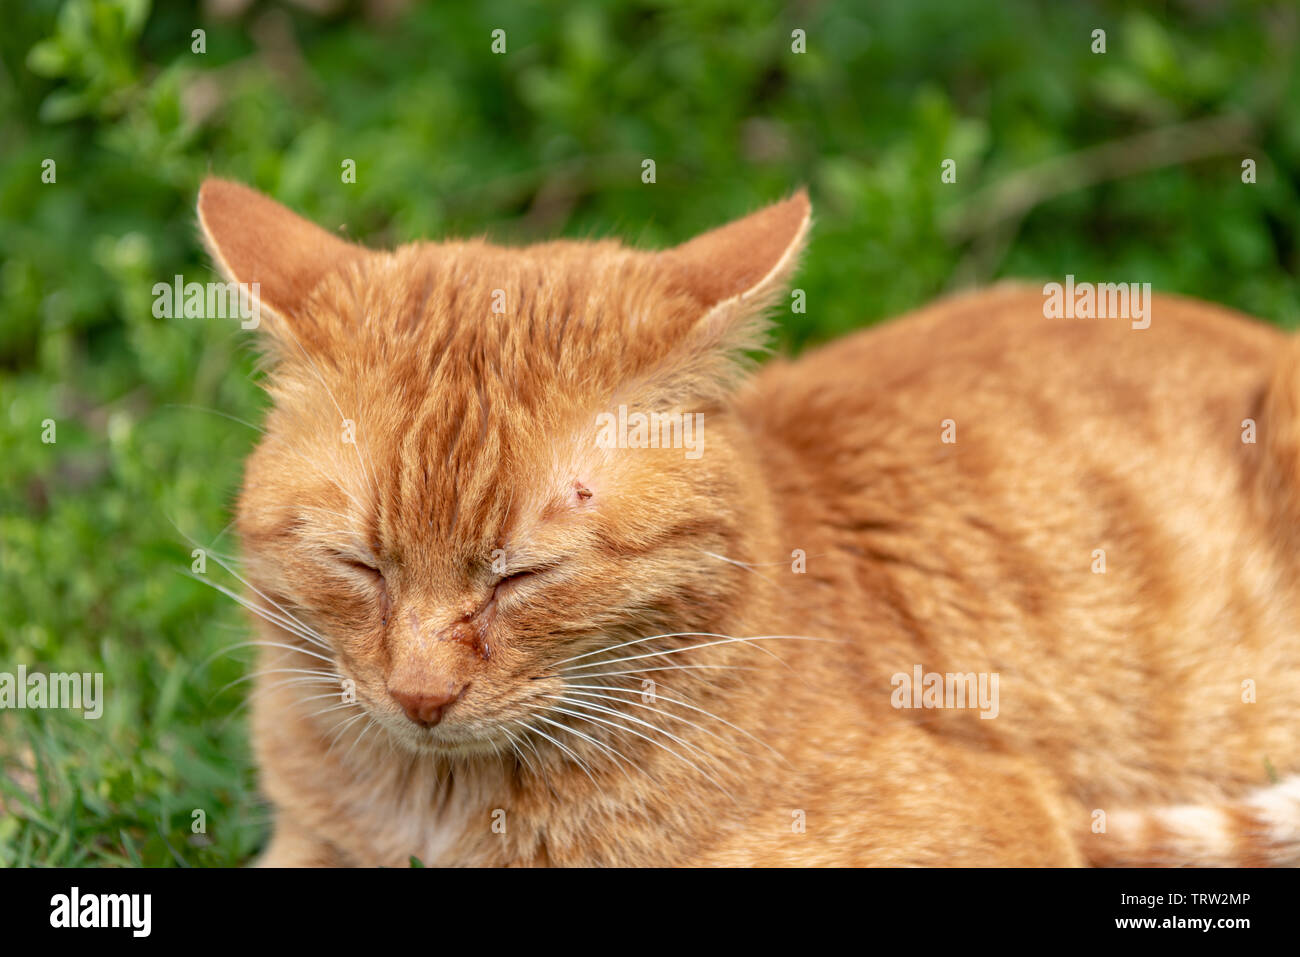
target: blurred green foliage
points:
(544, 140)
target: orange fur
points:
(474, 457)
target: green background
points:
(1122, 166)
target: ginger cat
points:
(496, 636)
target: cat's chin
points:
(449, 743)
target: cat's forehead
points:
(498, 291)
(468, 337)
(461, 401)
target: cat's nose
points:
(426, 708)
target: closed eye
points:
(360, 567)
(363, 569)
(525, 573)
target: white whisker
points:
(657, 744)
(663, 697)
(611, 751)
(261, 612)
(635, 720)
(274, 644)
(731, 561)
(323, 676)
(307, 629)
(370, 723)
(333, 707)
(723, 640)
(581, 763)
(642, 671)
(341, 729)
(569, 689)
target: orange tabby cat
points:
(976, 587)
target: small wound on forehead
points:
(581, 491)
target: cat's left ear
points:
(254, 239)
(736, 273)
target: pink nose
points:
(425, 708)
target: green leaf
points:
(48, 58)
(63, 105)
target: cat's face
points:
(449, 505)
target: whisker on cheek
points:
(601, 709)
(278, 644)
(306, 635)
(660, 696)
(300, 627)
(319, 677)
(658, 744)
(640, 671)
(571, 690)
(578, 760)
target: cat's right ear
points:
(255, 240)
(734, 274)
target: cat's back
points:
(1067, 500)
(995, 350)
(981, 393)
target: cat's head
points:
(450, 502)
